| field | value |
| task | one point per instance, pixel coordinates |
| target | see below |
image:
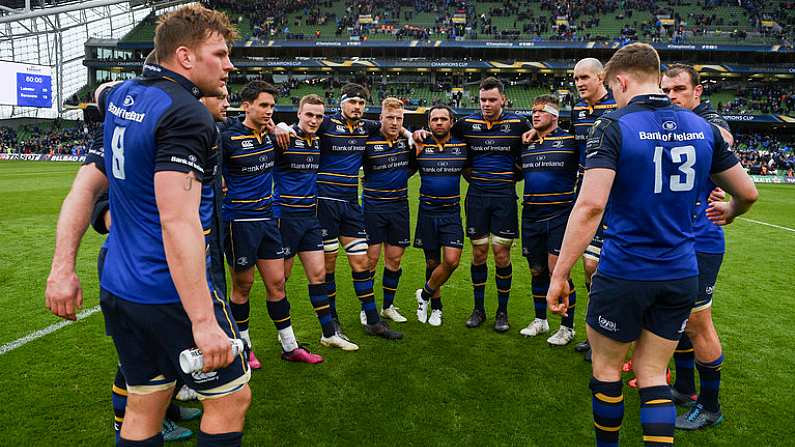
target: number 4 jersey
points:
(154, 123)
(662, 155)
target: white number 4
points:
(117, 145)
(685, 157)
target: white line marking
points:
(46, 331)
(767, 224)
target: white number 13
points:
(685, 156)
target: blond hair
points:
(188, 27)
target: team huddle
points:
(635, 189)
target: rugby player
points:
(494, 139)
(549, 166)
(441, 159)
(252, 238)
(156, 295)
(388, 163)
(296, 199)
(700, 343)
(651, 160)
(342, 145)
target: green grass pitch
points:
(438, 386)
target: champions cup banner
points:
(42, 157)
(329, 64)
(485, 44)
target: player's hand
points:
(63, 296)
(419, 136)
(282, 136)
(529, 136)
(214, 345)
(716, 195)
(721, 213)
(558, 296)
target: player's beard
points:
(440, 135)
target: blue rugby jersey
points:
(494, 148)
(583, 115)
(662, 156)
(248, 163)
(709, 237)
(342, 144)
(440, 165)
(152, 124)
(387, 168)
(549, 168)
(295, 175)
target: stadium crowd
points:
(578, 20)
(54, 139)
(765, 99)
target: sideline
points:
(766, 224)
(8, 347)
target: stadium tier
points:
(681, 22)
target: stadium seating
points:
(722, 22)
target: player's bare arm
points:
(64, 295)
(178, 196)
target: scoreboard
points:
(25, 85)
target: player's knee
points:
(275, 287)
(480, 254)
(502, 256)
(392, 262)
(698, 323)
(538, 271)
(451, 262)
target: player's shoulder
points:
(509, 116)
(705, 110)
(562, 134)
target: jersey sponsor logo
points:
(203, 377)
(191, 163)
(490, 142)
(247, 144)
(126, 114)
(299, 143)
(607, 325)
(352, 142)
(581, 115)
(679, 136)
(669, 125)
(476, 127)
(128, 101)
(340, 129)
